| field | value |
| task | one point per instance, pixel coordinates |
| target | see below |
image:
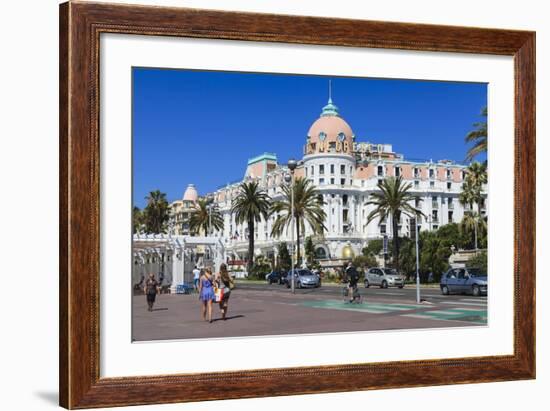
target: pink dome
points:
(190, 193)
(330, 128)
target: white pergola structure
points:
(174, 257)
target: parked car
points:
(303, 278)
(384, 277)
(464, 281)
(274, 277)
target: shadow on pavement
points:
(228, 318)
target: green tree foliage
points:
(156, 213)
(479, 261)
(204, 214)
(478, 137)
(364, 262)
(261, 267)
(434, 254)
(251, 204)
(284, 262)
(393, 199)
(407, 257)
(474, 227)
(374, 247)
(307, 208)
(309, 250)
(138, 220)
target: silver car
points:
(464, 281)
(384, 277)
(303, 278)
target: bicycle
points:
(356, 297)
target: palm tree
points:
(250, 205)
(204, 215)
(476, 176)
(393, 199)
(470, 222)
(156, 212)
(469, 194)
(307, 207)
(137, 220)
(479, 137)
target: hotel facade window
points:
(332, 169)
(432, 173)
(342, 169)
(321, 169)
(397, 171)
(380, 170)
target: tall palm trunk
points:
(297, 241)
(395, 242)
(250, 245)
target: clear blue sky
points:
(201, 127)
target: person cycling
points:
(353, 277)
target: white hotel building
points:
(345, 172)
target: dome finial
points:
(330, 109)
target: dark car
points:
(464, 281)
(275, 277)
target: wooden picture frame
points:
(80, 27)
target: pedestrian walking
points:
(152, 287)
(225, 283)
(206, 293)
(196, 276)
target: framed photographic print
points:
(248, 198)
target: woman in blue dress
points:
(206, 293)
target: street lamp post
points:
(292, 166)
(417, 261)
(210, 200)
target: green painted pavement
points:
(451, 314)
(366, 307)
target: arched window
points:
(320, 253)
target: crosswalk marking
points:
(461, 303)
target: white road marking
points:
(461, 303)
(387, 293)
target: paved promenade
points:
(258, 309)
